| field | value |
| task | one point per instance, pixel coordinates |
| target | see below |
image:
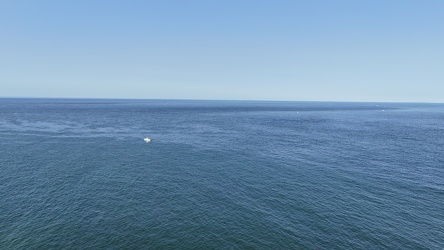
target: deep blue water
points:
(76, 174)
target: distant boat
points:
(147, 140)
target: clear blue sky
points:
(345, 50)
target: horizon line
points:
(191, 99)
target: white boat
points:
(147, 140)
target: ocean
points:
(77, 174)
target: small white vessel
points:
(147, 140)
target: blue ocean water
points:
(76, 174)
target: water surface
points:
(76, 174)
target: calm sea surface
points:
(76, 174)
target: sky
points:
(295, 50)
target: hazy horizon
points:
(212, 100)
